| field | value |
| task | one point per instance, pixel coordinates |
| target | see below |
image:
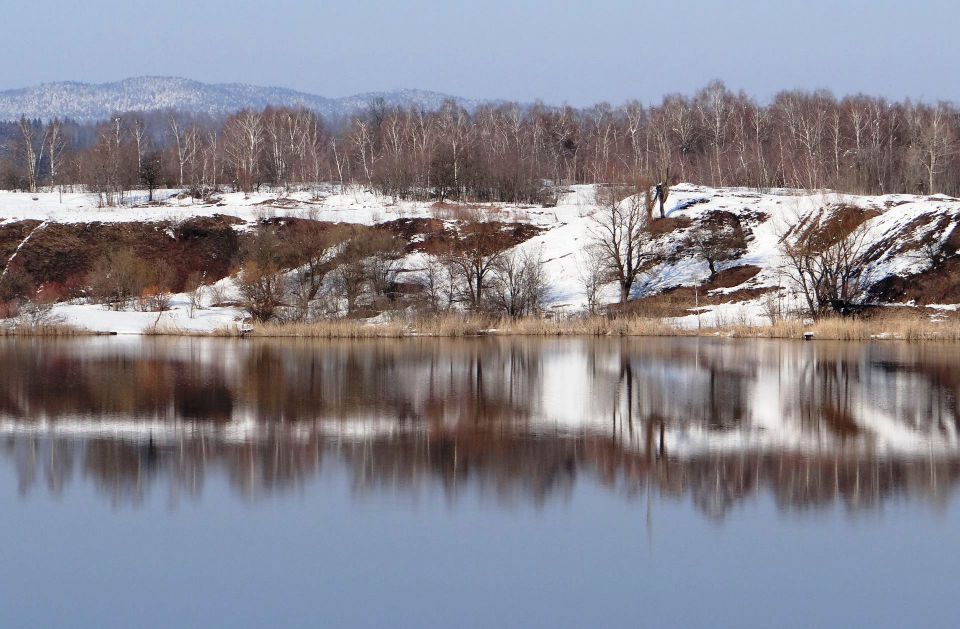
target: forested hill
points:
(89, 102)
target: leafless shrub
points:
(217, 294)
(593, 277)
(38, 311)
(195, 289)
(365, 267)
(262, 284)
(153, 299)
(520, 287)
(122, 274)
(773, 309)
(438, 285)
(824, 266)
(474, 258)
(312, 254)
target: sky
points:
(559, 52)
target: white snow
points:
(96, 318)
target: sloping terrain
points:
(909, 242)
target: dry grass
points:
(894, 326)
(588, 326)
(336, 329)
(164, 329)
(467, 325)
(900, 324)
(172, 329)
(441, 325)
(908, 328)
(55, 329)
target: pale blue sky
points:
(577, 52)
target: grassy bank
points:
(54, 330)
(901, 324)
(883, 327)
(463, 326)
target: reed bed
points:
(452, 326)
(891, 327)
(907, 328)
(912, 326)
(51, 330)
(340, 329)
(172, 329)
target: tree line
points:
(505, 152)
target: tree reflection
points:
(713, 422)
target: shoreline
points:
(833, 329)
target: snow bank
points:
(566, 231)
(96, 318)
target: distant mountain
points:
(87, 102)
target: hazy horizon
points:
(610, 50)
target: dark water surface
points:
(478, 483)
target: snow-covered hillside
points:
(90, 102)
(896, 226)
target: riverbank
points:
(879, 328)
(893, 326)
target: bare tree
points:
(520, 287)
(140, 140)
(211, 167)
(474, 257)
(439, 285)
(262, 283)
(186, 144)
(31, 151)
(110, 169)
(365, 267)
(508, 153)
(38, 310)
(934, 142)
(312, 252)
(825, 265)
(620, 237)
(243, 143)
(149, 174)
(593, 277)
(56, 144)
(195, 288)
(717, 239)
(713, 106)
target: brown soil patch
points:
(937, 285)
(63, 252)
(735, 276)
(662, 226)
(11, 235)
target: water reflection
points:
(709, 421)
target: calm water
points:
(486, 483)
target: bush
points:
(153, 299)
(122, 275)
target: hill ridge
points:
(90, 102)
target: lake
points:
(478, 483)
